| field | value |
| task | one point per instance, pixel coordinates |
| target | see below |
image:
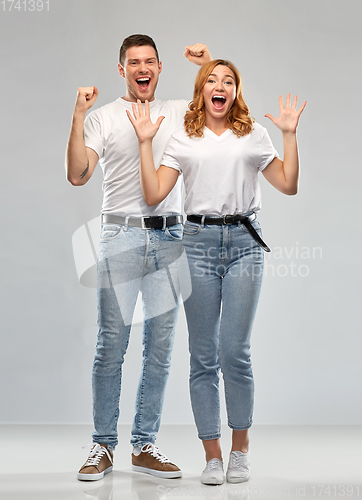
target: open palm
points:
(289, 115)
(141, 121)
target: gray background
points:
(307, 335)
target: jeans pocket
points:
(191, 228)
(110, 231)
(175, 232)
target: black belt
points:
(154, 222)
(231, 219)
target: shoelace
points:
(214, 463)
(155, 452)
(237, 461)
(96, 455)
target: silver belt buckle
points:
(143, 225)
(224, 220)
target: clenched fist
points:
(198, 54)
(85, 99)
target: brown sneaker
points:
(152, 461)
(99, 462)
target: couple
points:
(220, 152)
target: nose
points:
(143, 67)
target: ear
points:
(159, 67)
(121, 70)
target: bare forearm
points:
(77, 163)
(149, 180)
(291, 163)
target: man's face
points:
(140, 71)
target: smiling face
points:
(140, 71)
(219, 94)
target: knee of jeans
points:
(235, 360)
(203, 366)
(110, 351)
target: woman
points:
(220, 152)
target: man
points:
(139, 250)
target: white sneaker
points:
(238, 468)
(213, 472)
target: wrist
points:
(145, 142)
(78, 116)
(290, 136)
(289, 133)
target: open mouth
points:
(218, 101)
(143, 82)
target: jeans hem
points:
(139, 444)
(239, 427)
(208, 437)
(109, 446)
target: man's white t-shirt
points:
(111, 135)
(220, 172)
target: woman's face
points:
(219, 92)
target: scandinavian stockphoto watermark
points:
(168, 279)
(25, 5)
(291, 262)
(244, 491)
(282, 262)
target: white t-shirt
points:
(220, 172)
(111, 135)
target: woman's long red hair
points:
(239, 119)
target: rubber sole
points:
(93, 477)
(213, 480)
(237, 479)
(158, 473)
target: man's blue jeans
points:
(226, 267)
(130, 260)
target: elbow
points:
(151, 198)
(151, 201)
(292, 191)
(74, 181)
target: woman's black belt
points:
(230, 219)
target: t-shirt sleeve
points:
(93, 134)
(170, 155)
(267, 151)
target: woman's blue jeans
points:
(226, 267)
(132, 259)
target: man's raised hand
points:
(85, 99)
(141, 121)
(198, 54)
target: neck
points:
(216, 125)
(131, 98)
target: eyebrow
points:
(226, 76)
(148, 59)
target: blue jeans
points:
(226, 267)
(130, 260)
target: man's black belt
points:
(154, 222)
(230, 219)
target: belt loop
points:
(164, 222)
(202, 221)
(126, 223)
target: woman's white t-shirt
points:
(220, 172)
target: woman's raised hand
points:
(141, 121)
(289, 115)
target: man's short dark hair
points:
(136, 41)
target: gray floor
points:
(288, 462)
